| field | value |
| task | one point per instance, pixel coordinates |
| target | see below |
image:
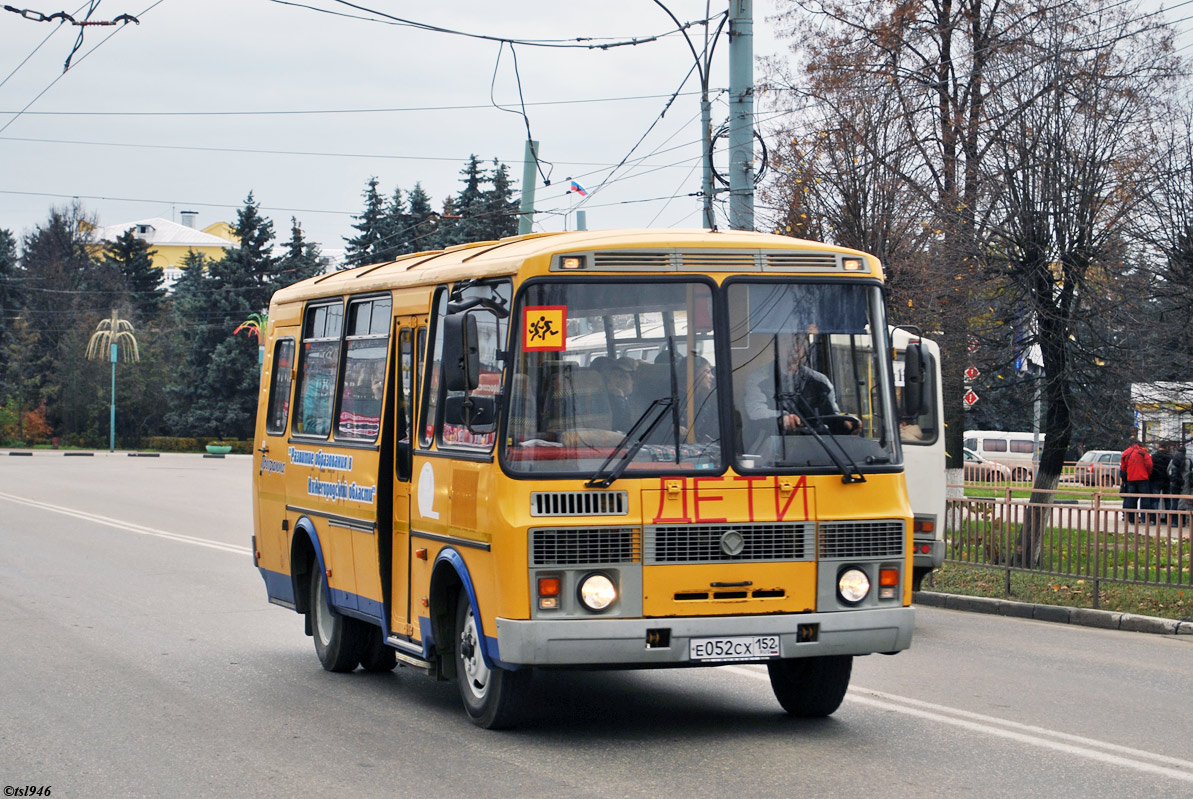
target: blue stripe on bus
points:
(278, 586)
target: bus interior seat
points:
(578, 400)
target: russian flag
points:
(576, 187)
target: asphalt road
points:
(140, 658)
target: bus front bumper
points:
(611, 642)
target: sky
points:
(207, 100)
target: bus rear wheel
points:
(339, 640)
(492, 696)
(811, 687)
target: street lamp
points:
(108, 337)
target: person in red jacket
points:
(1135, 464)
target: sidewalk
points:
(1086, 617)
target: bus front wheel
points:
(339, 640)
(492, 696)
(811, 687)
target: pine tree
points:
(9, 298)
(468, 205)
(501, 209)
(302, 258)
(393, 229)
(362, 248)
(216, 387)
(132, 257)
(424, 222)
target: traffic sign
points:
(972, 373)
(970, 398)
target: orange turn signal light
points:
(548, 586)
(888, 576)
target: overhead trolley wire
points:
(578, 42)
(102, 42)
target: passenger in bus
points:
(804, 394)
(910, 431)
(619, 381)
(705, 426)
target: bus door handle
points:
(263, 449)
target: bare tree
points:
(1072, 172)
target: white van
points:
(1015, 450)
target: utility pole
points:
(526, 206)
(741, 114)
(706, 187)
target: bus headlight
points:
(853, 585)
(597, 592)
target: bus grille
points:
(630, 259)
(801, 260)
(572, 546)
(862, 539)
(579, 503)
(725, 260)
(710, 543)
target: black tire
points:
(339, 640)
(811, 687)
(377, 656)
(917, 578)
(492, 697)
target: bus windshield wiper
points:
(628, 447)
(850, 473)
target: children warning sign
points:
(544, 327)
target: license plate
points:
(758, 647)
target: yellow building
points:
(169, 242)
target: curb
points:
(1086, 617)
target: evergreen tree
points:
(302, 258)
(393, 229)
(362, 248)
(251, 267)
(468, 206)
(9, 297)
(132, 257)
(424, 222)
(501, 209)
(215, 393)
(64, 290)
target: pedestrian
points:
(1178, 483)
(1159, 481)
(1135, 465)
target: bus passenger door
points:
(273, 540)
(399, 620)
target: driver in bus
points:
(804, 395)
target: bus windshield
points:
(808, 382)
(591, 360)
(630, 369)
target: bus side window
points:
(279, 387)
(317, 370)
(433, 358)
(364, 369)
(406, 384)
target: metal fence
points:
(1092, 539)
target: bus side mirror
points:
(915, 370)
(461, 352)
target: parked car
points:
(981, 470)
(1098, 467)
(1017, 450)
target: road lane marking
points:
(129, 527)
(1089, 748)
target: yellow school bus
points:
(612, 449)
